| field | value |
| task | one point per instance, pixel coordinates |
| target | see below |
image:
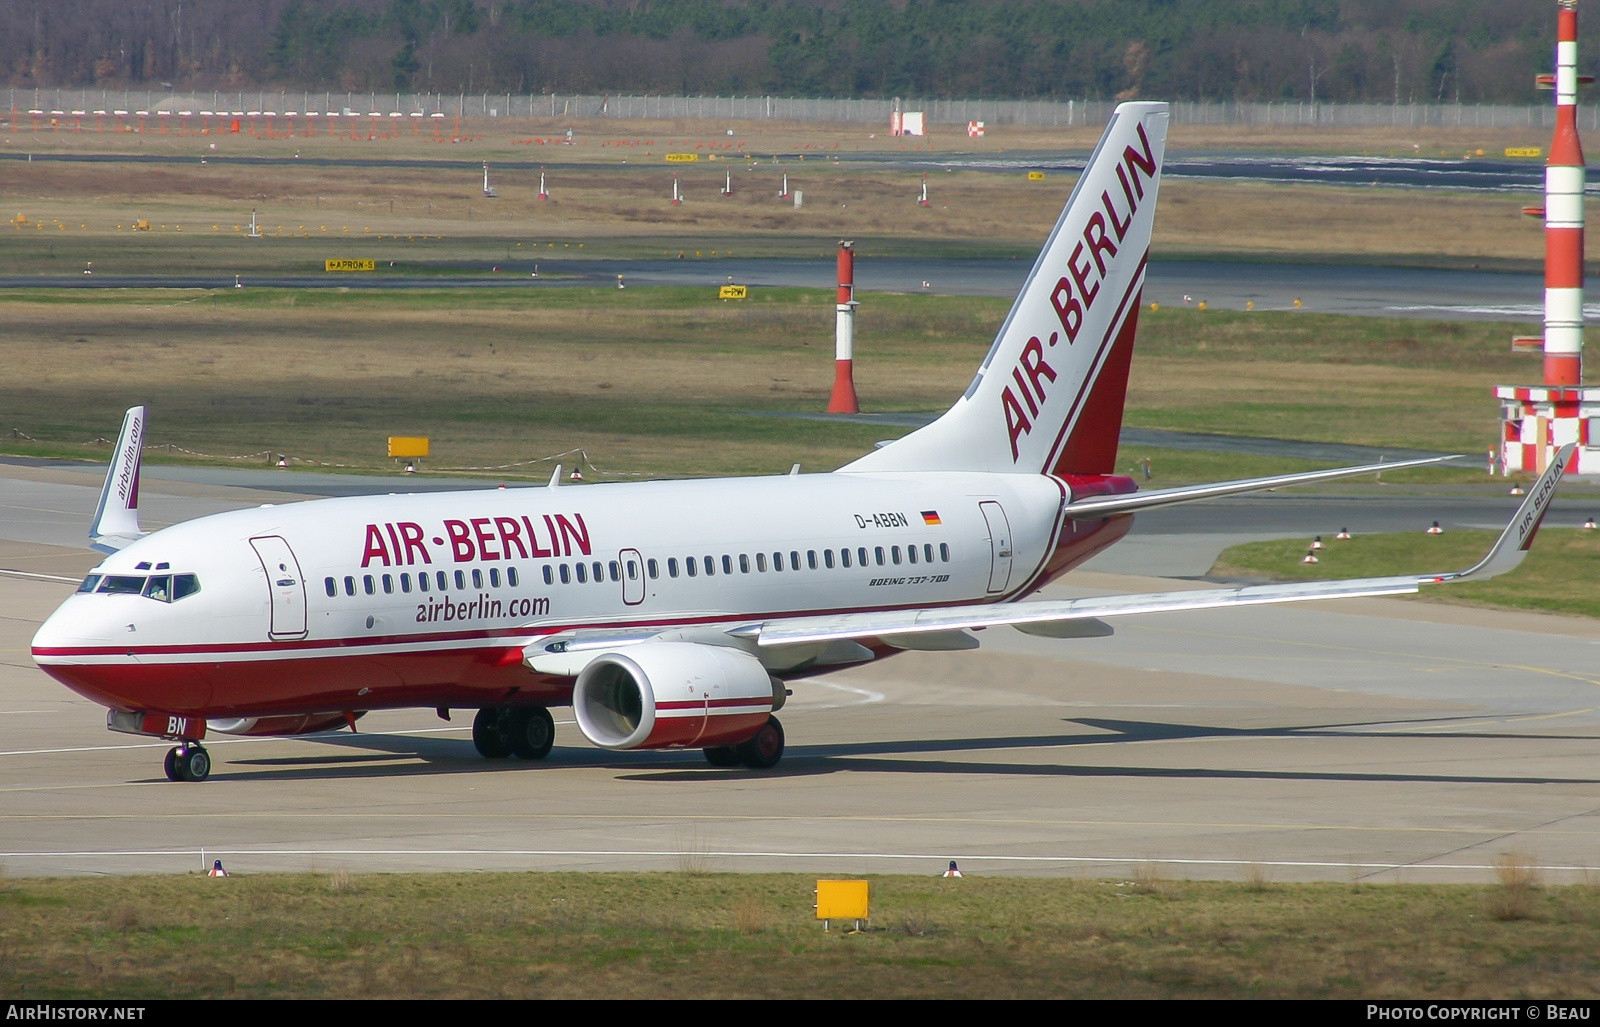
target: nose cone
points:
(87, 646)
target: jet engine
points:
(661, 694)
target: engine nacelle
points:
(661, 694)
(299, 724)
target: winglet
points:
(116, 519)
(1515, 541)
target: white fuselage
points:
(429, 599)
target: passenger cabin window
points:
(477, 579)
(388, 584)
(727, 565)
(566, 575)
(494, 577)
(405, 582)
(422, 582)
(927, 552)
(366, 584)
(944, 552)
(331, 586)
(349, 585)
(894, 555)
(461, 581)
(911, 553)
(761, 562)
(744, 563)
(691, 565)
(549, 576)
(844, 557)
(616, 571)
(599, 576)
(827, 559)
(511, 576)
(583, 572)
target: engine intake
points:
(656, 695)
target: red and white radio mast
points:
(1536, 420)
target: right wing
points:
(116, 519)
(901, 628)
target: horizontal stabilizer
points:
(1105, 506)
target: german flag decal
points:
(931, 517)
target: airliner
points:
(670, 614)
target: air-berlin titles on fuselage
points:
(405, 543)
(1085, 268)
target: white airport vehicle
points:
(669, 614)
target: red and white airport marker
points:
(1563, 216)
(843, 400)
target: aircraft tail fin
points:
(1049, 396)
(116, 519)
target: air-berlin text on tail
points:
(406, 543)
(1076, 291)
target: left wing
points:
(901, 628)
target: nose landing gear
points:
(187, 762)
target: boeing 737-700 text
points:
(668, 614)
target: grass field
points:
(1558, 575)
(664, 381)
(694, 935)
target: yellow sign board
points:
(400, 445)
(683, 158)
(1036, 176)
(733, 292)
(842, 900)
(349, 265)
(1523, 151)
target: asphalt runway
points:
(1433, 294)
(1475, 174)
(1379, 740)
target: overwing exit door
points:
(999, 545)
(632, 577)
(287, 587)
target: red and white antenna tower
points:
(843, 400)
(542, 194)
(1563, 215)
(1536, 420)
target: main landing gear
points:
(526, 732)
(762, 751)
(189, 761)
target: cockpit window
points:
(164, 588)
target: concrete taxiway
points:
(1363, 739)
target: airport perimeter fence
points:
(1034, 113)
